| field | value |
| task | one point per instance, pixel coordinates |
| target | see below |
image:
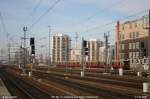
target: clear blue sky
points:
(68, 16)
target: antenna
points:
(106, 36)
(76, 39)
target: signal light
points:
(86, 51)
(32, 45)
(31, 41)
(84, 43)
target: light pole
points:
(39, 45)
(149, 52)
(148, 27)
(24, 38)
(106, 51)
(84, 44)
(67, 53)
(41, 56)
(49, 57)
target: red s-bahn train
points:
(88, 65)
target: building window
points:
(130, 54)
(142, 45)
(122, 46)
(137, 45)
(122, 36)
(134, 54)
(131, 61)
(130, 25)
(123, 27)
(145, 21)
(133, 34)
(137, 54)
(130, 45)
(137, 34)
(135, 24)
(121, 55)
(130, 35)
(133, 45)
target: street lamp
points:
(148, 27)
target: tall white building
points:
(75, 57)
(110, 53)
(93, 46)
(61, 48)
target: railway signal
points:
(84, 52)
(31, 41)
(84, 43)
(32, 49)
(85, 49)
(32, 45)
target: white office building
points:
(93, 46)
(61, 49)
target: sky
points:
(86, 17)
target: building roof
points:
(93, 39)
(135, 20)
(62, 35)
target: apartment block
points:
(93, 45)
(131, 41)
(75, 57)
(61, 48)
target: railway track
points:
(107, 79)
(12, 87)
(92, 74)
(56, 89)
(22, 89)
(102, 90)
(106, 89)
(133, 82)
(99, 70)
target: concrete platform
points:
(3, 91)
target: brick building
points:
(131, 41)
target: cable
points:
(104, 10)
(35, 8)
(3, 24)
(4, 27)
(104, 25)
(49, 9)
(7, 35)
(101, 11)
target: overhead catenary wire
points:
(7, 36)
(3, 24)
(89, 18)
(49, 9)
(4, 27)
(114, 21)
(104, 10)
(101, 11)
(36, 7)
(110, 23)
(30, 26)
